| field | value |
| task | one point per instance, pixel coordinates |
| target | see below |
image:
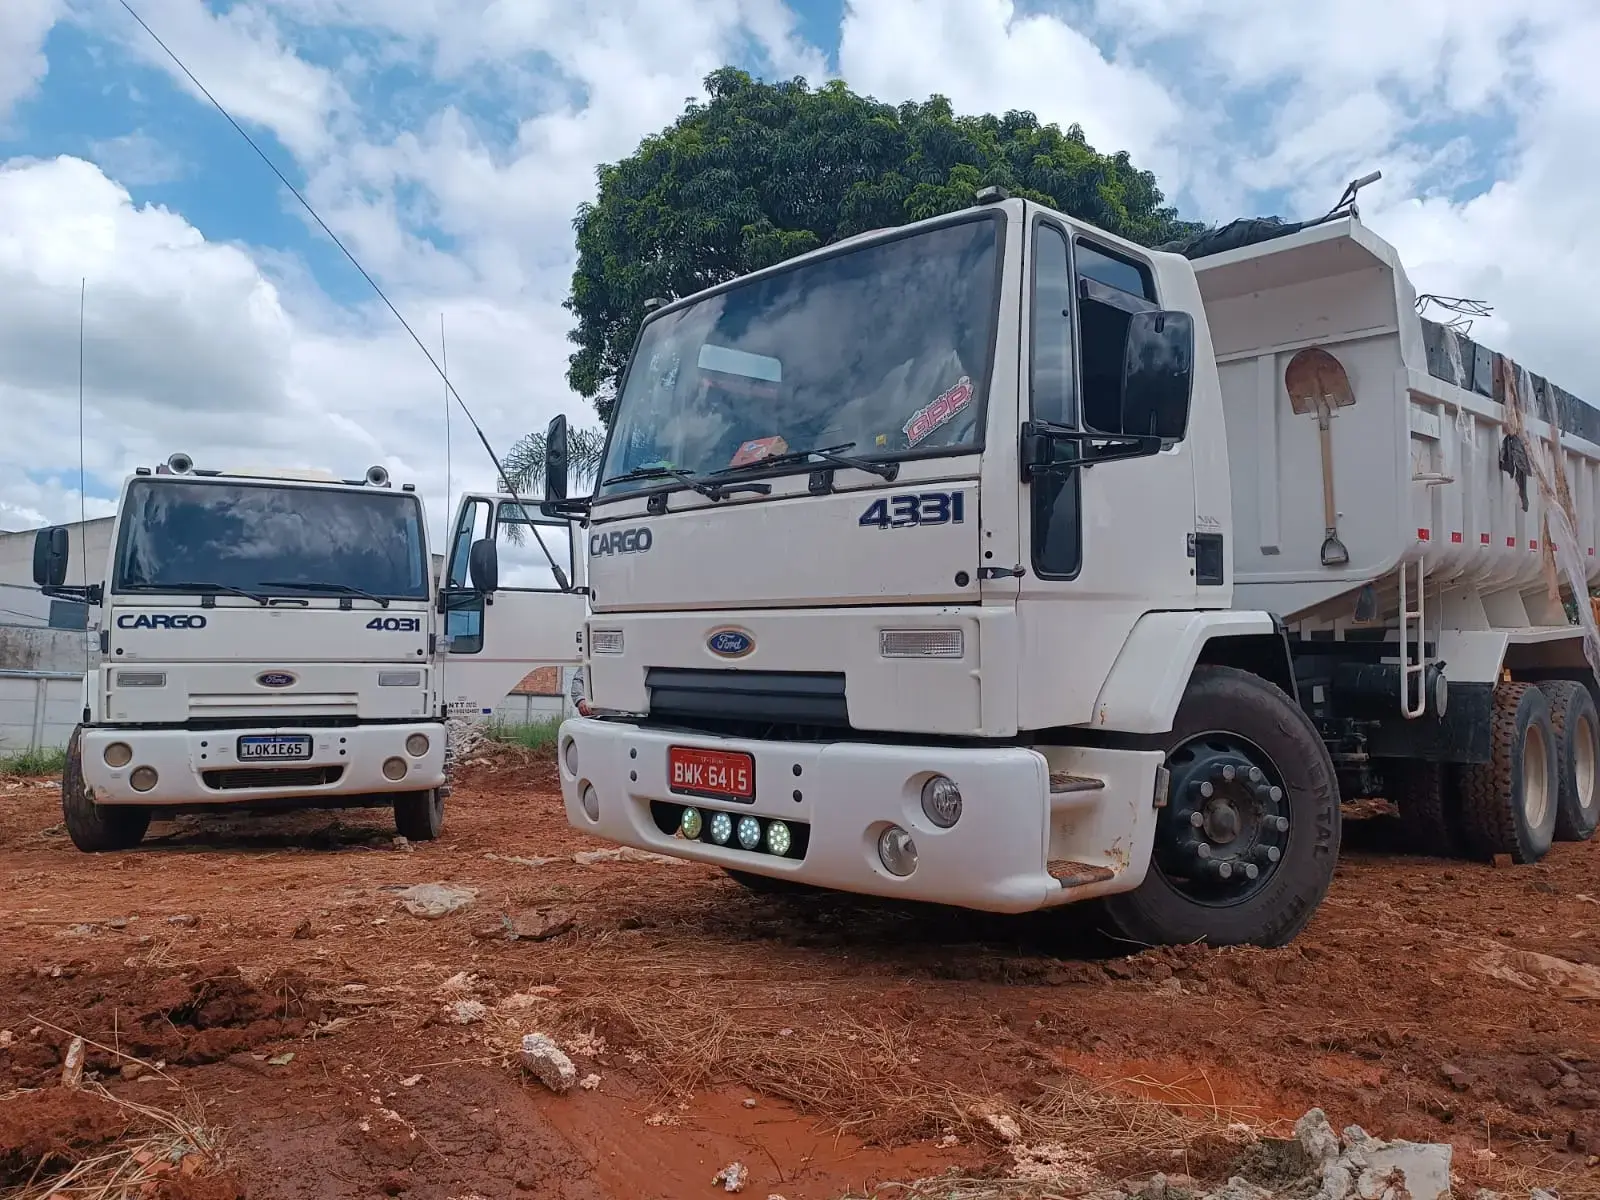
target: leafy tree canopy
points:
(764, 171)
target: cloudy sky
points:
(450, 141)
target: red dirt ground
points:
(866, 1034)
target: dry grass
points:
(160, 1149)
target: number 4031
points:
(396, 624)
(925, 508)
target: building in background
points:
(46, 646)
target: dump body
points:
(1415, 459)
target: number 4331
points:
(926, 508)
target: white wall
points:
(37, 709)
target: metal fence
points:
(38, 709)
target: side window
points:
(472, 525)
(1111, 289)
(524, 565)
(1057, 536)
(1052, 329)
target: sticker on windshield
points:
(757, 449)
(940, 412)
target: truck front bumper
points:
(202, 767)
(1019, 844)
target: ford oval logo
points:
(275, 679)
(730, 643)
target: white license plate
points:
(274, 747)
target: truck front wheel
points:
(1246, 844)
(95, 828)
(419, 816)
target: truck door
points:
(1106, 544)
(493, 641)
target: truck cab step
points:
(1071, 874)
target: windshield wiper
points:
(833, 454)
(710, 489)
(343, 588)
(185, 585)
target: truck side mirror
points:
(1158, 375)
(555, 458)
(483, 564)
(50, 552)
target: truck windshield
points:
(195, 536)
(884, 348)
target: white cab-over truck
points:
(272, 639)
(997, 562)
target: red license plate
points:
(711, 772)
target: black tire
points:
(419, 816)
(1430, 816)
(766, 885)
(1577, 727)
(96, 828)
(1235, 703)
(1496, 796)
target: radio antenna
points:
(83, 504)
(560, 575)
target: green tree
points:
(764, 171)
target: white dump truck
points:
(997, 562)
(271, 639)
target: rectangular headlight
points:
(921, 643)
(133, 679)
(605, 641)
(399, 678)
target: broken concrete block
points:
(468, 1012)
(731, 1178)
(548, 1063)
(1316, 1136)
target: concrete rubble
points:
(434, 900)
(731, 1178)
(1316, 1164)
(548, 1063)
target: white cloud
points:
(987, 57)
(137, 159)
(23, 26)
(241, 57)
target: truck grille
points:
(778, 697)
(237, 779)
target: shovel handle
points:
(1329, 517)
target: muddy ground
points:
(256, 987)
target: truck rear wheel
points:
(1246, 845)
(96, 828)
(1509, 803)
(419, 816)
(1577, 729)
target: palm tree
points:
(524, 462)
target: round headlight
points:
(591, 802)
(779, 838)
(749, 832)
(721, 828)
(417, 745)
(941, 801)
(143, 778)
(691, 824)
(118, 754)
(394, 768)
(897, 852)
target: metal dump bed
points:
(1415, 460)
